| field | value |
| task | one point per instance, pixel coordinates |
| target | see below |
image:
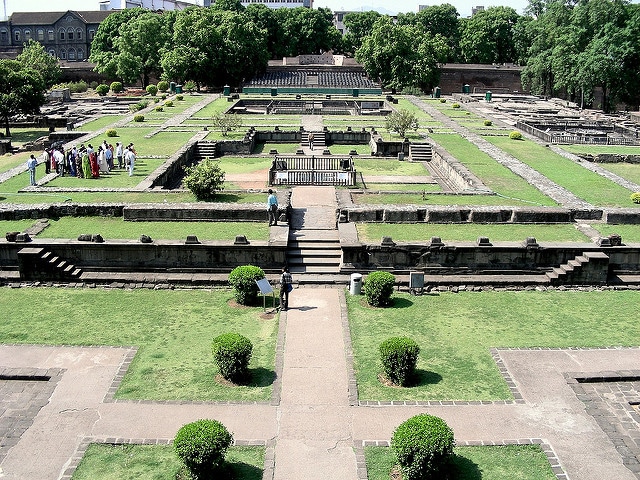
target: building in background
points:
(64, 35)
(151, 4)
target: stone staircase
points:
(587, 269)
(420, 152)
(204, 150)
(314, 252)
(38, 263)
(319, 140)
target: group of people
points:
(84, 162)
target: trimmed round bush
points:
(378, 288)
(138, 118)
(232, 354)
(78, 87)
(168, 103)
(111, 132)
(635, 197)
(515, 135)
(179, 97)
(159, 108)
(152, 90)
(487, 123)
(164, 96)
(163, 86)
(202, 445)
(243, 280)
(423, 446)
(102, 89)
(399, 357)
(93, 85)
(116, 87)
(455, 105)
(443, 100)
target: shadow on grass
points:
(259, 148)
(261, 377)
(225, 198)
(425, 377)
(229, 471)
(464, 469)
(401, 303)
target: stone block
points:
(542, 215)
(491, 215)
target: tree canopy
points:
(34, 55)
(22, 90)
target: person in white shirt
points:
(130, 158)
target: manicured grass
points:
(217, 106)
(162, 144)
(389, 167)
(629, 171)
(509, 462)
(495, 176)
(412, 199)
(402, 187)
(158, 462)
(24, 135)
(456, 331)
(423, 117)
(173, 329)
(629, 233)
(583, 183)
(345, 149)
(7, 162)
(415, 232)
(282, 148)
(15, 225)
(244, 164)
(117, 228)
(595, 149)
(116, 178)
(100, 122)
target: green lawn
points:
(159, 462)
(172, 328)
(233, 165)
(15, 225)
(629, 171)
(456, 331)
(117, 228)
(416, 232)
(595, 149)
(510, 462)
(20, 136)
(99, 122)
(629, 233)
(116, 178)
(163, 144)
(417, 188)
(583, 183)
(345, 149)
(494, 175)
(390, 167)
(7, 161)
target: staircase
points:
(204, 150)
(37, 263)
(319, 140)
(314, 252)
(420, 152)
(586, 269)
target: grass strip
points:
(628, 171)
(172, 328)
(583, 183)
(441, 200)
(629, 233)
(117, 228)
(391, 167)
(456, 331)
(405, 232)
(159, 462)
(508, 462)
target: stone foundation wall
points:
(611, 158)
(457, 173)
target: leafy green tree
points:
(400, 121)
(438, 19)
(265, 19)
(307, 31)
(204, 179)
(22, 91)
(358, 25)
(487, 37)
(228, 5)
(34, 56)
(226, 122)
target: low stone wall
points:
(381, 148)
(455, 171)
(173, 168)
(462, 214)
(348, 137)
(22, 212)
(610, 158)
(196, 212)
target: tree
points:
(265, 19)
(228, 5)
(487, 37)
(307, 31)
(22, 91)
(34, 56)
(438, 19)
(226, 122)
(401, 121)
(204, 179)
(358, 25)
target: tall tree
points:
(22, 91)
(487, 37)
(34, 55)
(358, 25)
(306, 31)
(265, 19)
(438, 19)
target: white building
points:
(149, 4)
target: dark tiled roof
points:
(49, 18)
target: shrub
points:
(152, 90)
(226, 122)
(138, 118)
(102, 89)
(378, 288)
(399, 356)
(156, 100)
(423, 446)
(189, 86)
(159, 108)
(179, 97)
(116, 87)
(168, 103)
(136, 107)
(164, 96)
(232, 353)
(243, 280)
(443, 100)
(163, 86)
(111, 132)
(635, 197)
(202, 445)
(515, 135)
(204, 179)
(78, 87)
(455, 105)
(93, 85)
(487, 123)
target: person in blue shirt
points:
(32, 163)
(272, 208)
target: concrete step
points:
(314, 253)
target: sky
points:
(383, 6)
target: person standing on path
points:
(119, 154)
(32, 163)
(311, 138)
(286, 285)
(130, 159)
(272, 208)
